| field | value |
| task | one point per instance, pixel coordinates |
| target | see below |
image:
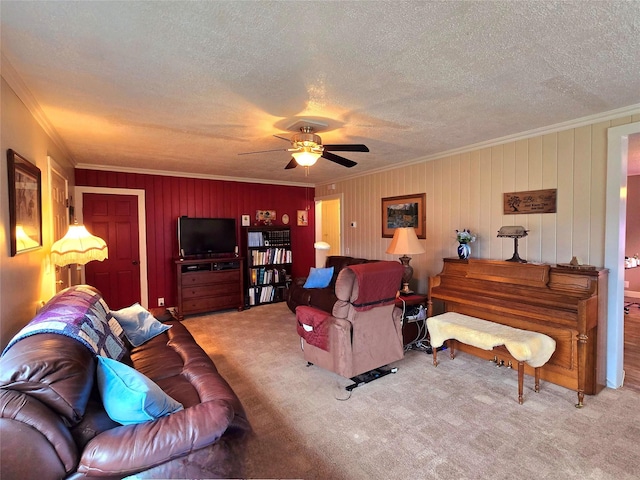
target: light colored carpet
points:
(460, 420)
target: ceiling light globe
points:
(306, 158)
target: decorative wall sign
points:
(265, 216)
(404, 211)
(25, 204)
(246, 221)
(533, 201)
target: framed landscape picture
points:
(404, 211)
(25, 204)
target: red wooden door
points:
(114, 218)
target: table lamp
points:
(322, 250)
(78, 246)
(514, 232)
(405, 242)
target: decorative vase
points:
(464, 251)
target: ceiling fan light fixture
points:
(306, 156)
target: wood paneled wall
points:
(465, 191)
(168, 198)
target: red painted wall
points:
(168, 198)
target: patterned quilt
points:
(79, 313)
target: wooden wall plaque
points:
(533, 201)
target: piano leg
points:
(580, 399)
(520, 381)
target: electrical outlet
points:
(626, 284)
(161, 301)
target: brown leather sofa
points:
(320, 298)
(53, 424)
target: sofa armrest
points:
(299, 281)
(129, 449)
(298, 295)
(35, 441)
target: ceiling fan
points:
(307, 147)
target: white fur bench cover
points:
(525, 346)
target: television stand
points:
(209, 284)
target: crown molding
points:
(557, 127)
(202, 176)
(15, 82)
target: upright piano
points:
(566, 303)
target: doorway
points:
(328, 214)
(615, 228)
(114, 218)
(59, 194)
(139, 195)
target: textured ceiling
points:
(186, 86)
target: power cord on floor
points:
(343, 389)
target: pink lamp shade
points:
(78, 246)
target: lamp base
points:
(516, 258)
(406, 275)
(406, 290)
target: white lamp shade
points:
(78, 246)
(405, 242)
(306, 157)
(322, 246)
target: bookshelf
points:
(269, 260)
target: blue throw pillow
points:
(319, 277)
(128, 396)
(138, 324)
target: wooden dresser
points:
(206, 285)
(569, 305)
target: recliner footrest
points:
(370, 376)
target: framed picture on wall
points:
(25, 204)
(303, 218)
(404, 211)
(265, 217)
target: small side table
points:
(414, 331)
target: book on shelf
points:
(262, 294)
(271, 256)
(262, 275)
(255, 239)
(273, 238)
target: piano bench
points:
(524, 345)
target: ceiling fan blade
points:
(264, 151)
(355, 147)
(283, 138)
(339, 160)
(291, 164)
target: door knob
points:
(135, 262)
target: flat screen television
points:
(206, 237)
